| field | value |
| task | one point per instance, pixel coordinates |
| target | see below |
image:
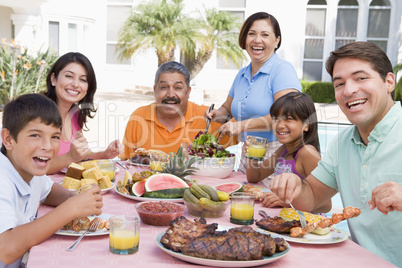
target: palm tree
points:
(162, 26)
(219, 28)
(159, 25)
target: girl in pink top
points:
(71, 84)
(294, 122)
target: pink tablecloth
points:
(94, 251)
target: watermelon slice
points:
(138, 188)
(164, 181)
(229, 187)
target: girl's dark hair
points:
(86, 105)
(299, 106)
(25, 108)
(259, 16)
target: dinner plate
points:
(64, 170)
(103, 231)
(143, 199)
(219, 263)
(137, 164)
(334, 236)
(102, 190)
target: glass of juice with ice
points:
(242, 208)
(257, 147)
(124, 234)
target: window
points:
(54, 35)
(378, 23)
(346, 22)
(236, 8)
(117, 13)
(72, 37)
(314, 40)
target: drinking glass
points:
(124, 234)
(257, 147)
(108, 167)
(242, 208)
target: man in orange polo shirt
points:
(163, 124)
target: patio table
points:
(94, 251)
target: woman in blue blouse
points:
(259, 84)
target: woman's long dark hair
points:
(86, 105)
(299, 106)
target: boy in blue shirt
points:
(30, 142)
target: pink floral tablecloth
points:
(94, 251)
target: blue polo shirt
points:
(355, 169)
(252, 98)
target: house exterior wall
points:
(31, 28)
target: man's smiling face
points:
(171, 95)
(361, 93)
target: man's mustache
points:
(170, 99)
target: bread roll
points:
(75, 170)
(89, 164)
(88, 181)
(104, 182)
(71, 183)
(92, 173)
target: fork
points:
(92, 228)
(301, 216)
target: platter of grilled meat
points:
(322, 231)
(220, 246)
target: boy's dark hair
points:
(365, 51)
(249, 22)
(87, 107)
(25, 108)
(299, 106)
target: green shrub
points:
(26, 73)
(398, 85)
(321, 92)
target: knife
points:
(121, 164)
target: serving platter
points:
(103, 231)
(137, 164)
(220, 263)
(102, 190)
(334, 236)
(143, 199)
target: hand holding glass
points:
(257, 147)
(124, 234)
(242, 208)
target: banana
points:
(198, 192)
(210, 191)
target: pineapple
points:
(179, 166)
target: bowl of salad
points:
(213, 160)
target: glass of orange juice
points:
(242, 208)
(257, 147)
(124, 234)
(108, 167)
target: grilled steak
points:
(277, 224)
(268, 243)
(230, 247)
(280, 244)
(182, 230)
